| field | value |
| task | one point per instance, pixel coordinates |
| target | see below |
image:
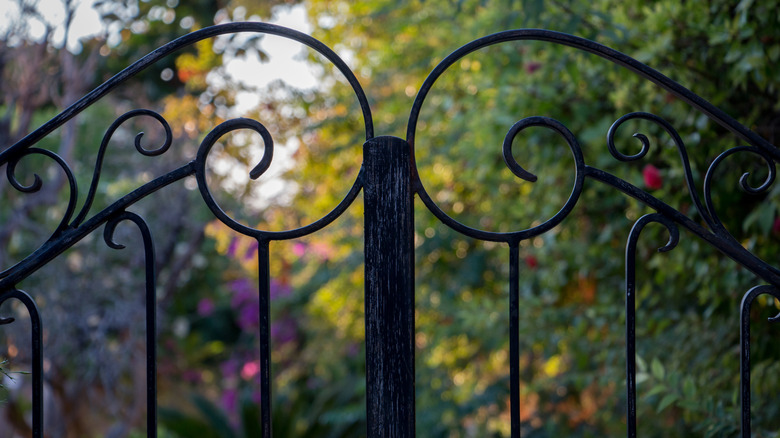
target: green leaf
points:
(666, 401)
(657, 369)
(689, 387)
(214, 416)
(658, 389)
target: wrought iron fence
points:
(390, 181)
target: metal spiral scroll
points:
(143, 151)
(37, 183)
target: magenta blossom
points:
(205, 307)
(230, 400)
(249, 317)
(229, 368)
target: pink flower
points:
(205, 307)
(652, 177)
(250, 369)
(299, 249)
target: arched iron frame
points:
(390, 180)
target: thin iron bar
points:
(264, 286)
(514, 337)
(744, 343)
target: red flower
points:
(531, 262)
(652, 176)
(776, 226)
(532, 66)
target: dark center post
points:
(389, 255)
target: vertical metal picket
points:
(389, 255)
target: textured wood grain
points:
(389, 252)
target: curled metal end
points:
(265, 163)
(775, 318)
(4, 321)
(641, 137)
(674, 238)
(506, 148)
(32, 188)
(645, 142)
(743, 182)
(108, 234)
(137, 142)
(518, 170)
(166, 127)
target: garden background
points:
(572, 281)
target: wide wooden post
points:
(389, 255)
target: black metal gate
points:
(390, 182)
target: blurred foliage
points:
(572, 278)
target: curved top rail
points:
(603, 51)
(175, 45)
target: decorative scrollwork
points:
(743, 180)
(678, 142)
(71, 232)
(37, 183)
(517, 170)
(200, 167)
(520, 172)
(104, 145)
(716, 235)
(200, 174)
